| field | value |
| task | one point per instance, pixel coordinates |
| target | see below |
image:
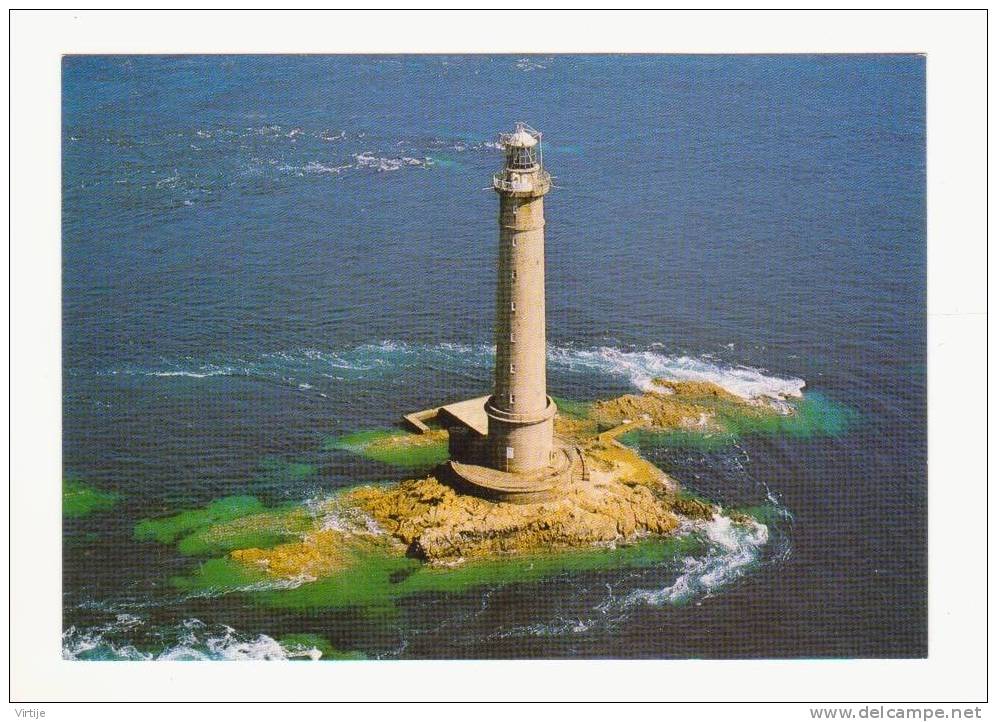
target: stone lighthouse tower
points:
(520, 413)
(502, 446)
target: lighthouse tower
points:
(502, 446)
(520, 413)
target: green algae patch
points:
(394, 447)
(221, 576)
(681, 439)
(367, 584)
(304, 645)
(573, 420)
(265, 529)
(376, 578)
(168, 529)
(227, 524)
(571, 407)
(767, 514)
(80, 500)
(813, 415)
(536, 567)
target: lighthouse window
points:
(512, 335)
(513, 242)
(513, 275)
(521, 158)
(512, 368)
(512, 398)
(512, 305)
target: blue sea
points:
(261, 253)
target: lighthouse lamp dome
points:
(520, 153)
(522, 138)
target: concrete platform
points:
(542, 485)
(469, 412)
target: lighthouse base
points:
(544, 484)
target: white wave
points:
(192, 639)
(169, 181)
(528, 64)
(642, 367)
(96, 642)
(385, 164)
(316, 167)
(639, 368)
(228, 645)
(732, 550)
(81, 644)
(273, 584)
(350, 521)
(195, 374)
(557, 628)
(266, 130)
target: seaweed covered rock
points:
(317, 554)
(624, 498)
(614, 496)
(700, 406)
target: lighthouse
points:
(502, 446)
(520, 413)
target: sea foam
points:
(732, 550)
(190, 640)
(639, 368)
(642, 367)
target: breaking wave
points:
(382, 164)
(302, 367)
(642, 367)
(733, 549)
(192, 639)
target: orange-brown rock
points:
(695, 390)
(624, 498)
(678, 406)
(320, 552)
(659, 411)
(621, 496)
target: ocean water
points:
(261, 253)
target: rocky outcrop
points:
(620, 497)
(681, 406)
(624, 498)
(320, 552)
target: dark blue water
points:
(261, 252)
